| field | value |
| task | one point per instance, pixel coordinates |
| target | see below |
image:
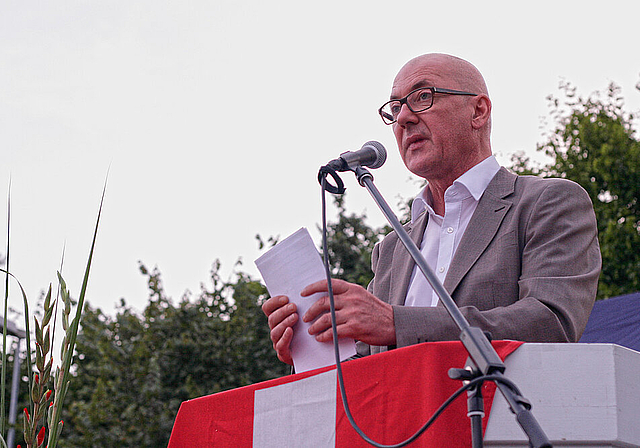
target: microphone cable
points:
(467, 385)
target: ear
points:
(481, 111)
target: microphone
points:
(372, 155)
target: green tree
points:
(593, 142)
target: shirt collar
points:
(475, 180)
(478, 177)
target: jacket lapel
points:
(482, 228)
(402, 263)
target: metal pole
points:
(15, 386)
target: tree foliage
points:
(593, 142)
(350, 242)
(133, 371)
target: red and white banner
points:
(391, 395)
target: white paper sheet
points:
(287, 268)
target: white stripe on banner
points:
(297, 414)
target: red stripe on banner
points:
(223, 419)
(392, 394)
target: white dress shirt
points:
(443, 233)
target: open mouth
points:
(413, 142)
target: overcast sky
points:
(213, 117)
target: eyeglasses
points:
(418, 100)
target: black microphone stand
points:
(483, 356)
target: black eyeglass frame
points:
(388, 119)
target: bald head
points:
(461, 74)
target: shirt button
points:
(449, 229)
(441, 270)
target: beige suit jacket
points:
(526, 268)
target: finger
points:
(339, 286)
(281, 314)
(323, 323)
(327, 334)
(277, 331)
(319, 286)
(273, 304)
(283, 347)
(322, 305)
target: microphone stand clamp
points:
(328, 170)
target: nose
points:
(406, 116)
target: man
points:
(519, 255)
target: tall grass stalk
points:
(4, 331)
(4, 326)
(39, 394)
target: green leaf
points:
(47, 308)
(39, 337)
(47, 342)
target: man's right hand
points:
(282, 316)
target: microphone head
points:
(379, 150)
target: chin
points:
(419, 170)
(417, 163)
